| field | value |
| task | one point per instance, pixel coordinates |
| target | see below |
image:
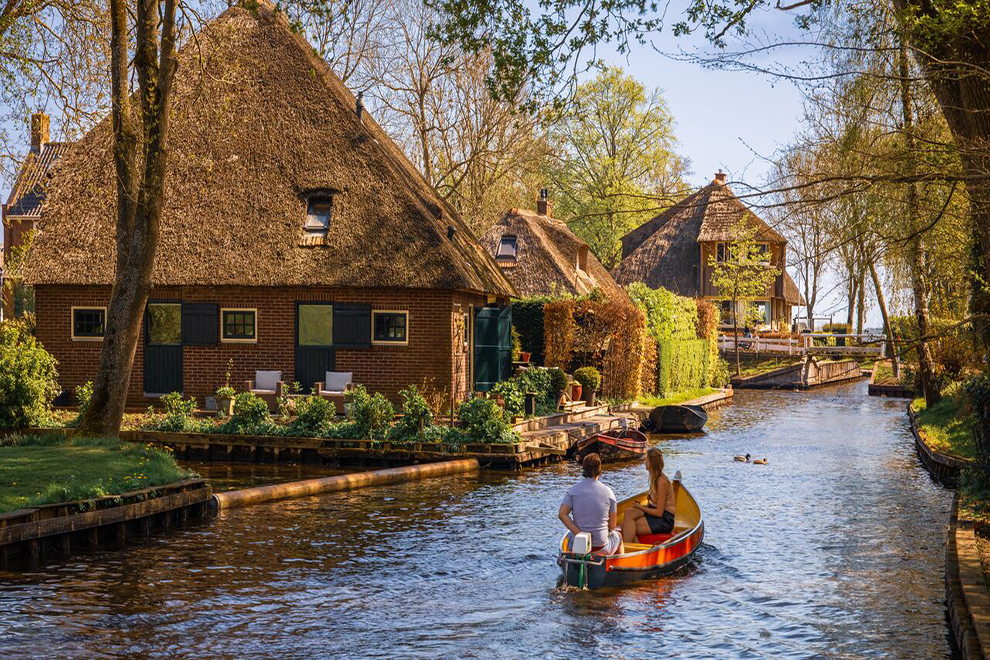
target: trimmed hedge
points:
(527, 319)
(668, 315)
(682, 364)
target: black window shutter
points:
(351, 325)
(200, 324)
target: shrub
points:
(483, 421)
(314, 418)
(537, 381)
(589, 377)
(559, 329)
(527, 319)
(718, 373)
(668, 315)
(512, 395)
(84, 394)
(371, 413)
(558, 380)
(836, 328)
(178, 413)
(416, 423)
(250, 417)
(28, 379)
(681, 365)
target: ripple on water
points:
(834, 548)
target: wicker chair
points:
(334, 387)
(267, 385)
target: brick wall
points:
(430, 354)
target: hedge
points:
(682, 364)
(527, 319)
(668, 315)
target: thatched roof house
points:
(540, 255)
(672, 250)
(280, 190)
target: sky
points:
(731, 120)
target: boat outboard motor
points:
(582, 544)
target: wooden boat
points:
(675, 419)
(613, 447)
(653, 556)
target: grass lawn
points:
(885, 374)
(49, 469)
(751, 365)
(680, 397)
(945, 428)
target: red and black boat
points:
(619, 445)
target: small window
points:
(88, 323)
(582, 259)
(763, 310)
(762, 252)
(725, 307)
(507, 247)
(239, 325)
(318, 215)
(722, 252)
(390, 327)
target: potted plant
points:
(590, 380)
(225, 394)
(575, 391)
(524, 356)
(558, 384)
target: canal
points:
(835, 547)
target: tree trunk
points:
(891, 344)
(861, 302)
(140, 195)
(919, 288)
(851, 299)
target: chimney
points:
(720, 177)
(39, 131)
(543, 204)
(359, 106)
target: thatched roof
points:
(258, 121)
(664, 252)
(792, 295)
(547, 254)
(30, 189)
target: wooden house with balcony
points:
(673, 251)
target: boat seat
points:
(653, 539)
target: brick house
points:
(296, 237)
(22, 211)
(673, 251)
(541, 256)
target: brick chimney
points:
(543, 203)
(39, 131)
(720, 177)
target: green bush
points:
(416, 423)
(668, 315)
(178, 414)
(589, 377)
(514, 397)
(251, 417)
(28, 379)
(483, 421)
(314, 418)
(84, 394)
(718, 373)
(558, 380)
(371, 414)
(682, 364)
(539, 382)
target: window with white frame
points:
(389, 327)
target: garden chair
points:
(334, 388)
(267, 385)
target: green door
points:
(492, 346)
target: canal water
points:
(834, 548)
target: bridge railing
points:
(813, 343)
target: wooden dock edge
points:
(296, 489)
(712, 401)
(944, 468)
(878, 389)
(966, 595)
(34, 533)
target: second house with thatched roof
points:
(673, 251)
(541, 256)
(296, 239)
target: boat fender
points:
(582, 544)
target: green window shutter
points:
(200, 324)
(351, 325)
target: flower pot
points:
(559, 394)
(589, 398)
(575, 391)
(225, 406)
(524, 357)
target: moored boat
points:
(675, 419)
(613, 447)
(652, 556)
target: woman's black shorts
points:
(661, 525)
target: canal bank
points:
(833, 548)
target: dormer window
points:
(582, 258)
(507, 247)
(317, 215)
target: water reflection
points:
(834, 548)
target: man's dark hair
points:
(592, 465)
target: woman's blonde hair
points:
(654, 463)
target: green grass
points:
(885, 374)
(946, 427)
(751, 365)
(680, 397)
(48, 469)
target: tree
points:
(742, 275)
(616, 166)
(140, 131)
